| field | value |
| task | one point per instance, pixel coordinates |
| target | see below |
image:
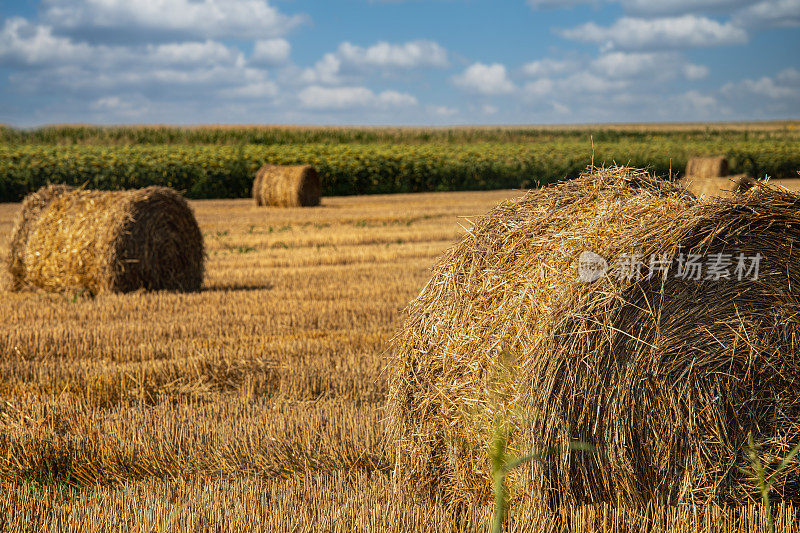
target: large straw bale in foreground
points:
(707, 167)
(665, 376)
(287, 186)
(74, 239)
(712, 187)
(32, 207)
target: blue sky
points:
(398, 62)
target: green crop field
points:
(219, 162)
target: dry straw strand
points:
(664, 376)
(118, 241)
(287, 186)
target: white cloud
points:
(548, 67)
(443, 110)
(790, 75)
(553, 4)
(540, 87)
(662, 7)
(120, 107)
(696, 105)
(485, 79)
(325, 71)
(188, 54)
(574, 85)
(413, 54)
(261, 89)
(103, 75)
(660, 66)
(770, 13)
(586, 82)
(695, 72)
(785, 85)
(238, 19)
(24, 43)
(271, 52)
(316, 97)
(649, 7)
(108, 103)
(349, 61)
(745, 13)
(698, 100)
(687, 31)
(627, 64)
(489, 109)
(396, 99)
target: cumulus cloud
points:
(256, 90)
(649, 7)
(25, 44)
(548, 67)
(611, 80)
(553, 4)
(443, 110)
(46, 62)
(538, 88)
(485, 79)
(350, 61)
(188, 54)
(687, 31)
(271, 52)
(325, 71)
(663, 7)
(215, 19)
(694, 72)
(317, 97)
(770, 13)
(413, 54)
(627, 64)
(658, 66)
(616, 76)
(613, 86)
(744, 13)
(785, 85)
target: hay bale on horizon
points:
(664, 376)
(101, 241)
(707, 167)
(722, 187)
(287, 186)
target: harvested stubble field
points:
(255, 404)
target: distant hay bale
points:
(665, 376)
(287, 186)
(712, 187)
(707, 167)
(74, 239)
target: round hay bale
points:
(664, 376)
(74, 239)
(287, 186)
(32, 207)
(707, 167)
(715, 187)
